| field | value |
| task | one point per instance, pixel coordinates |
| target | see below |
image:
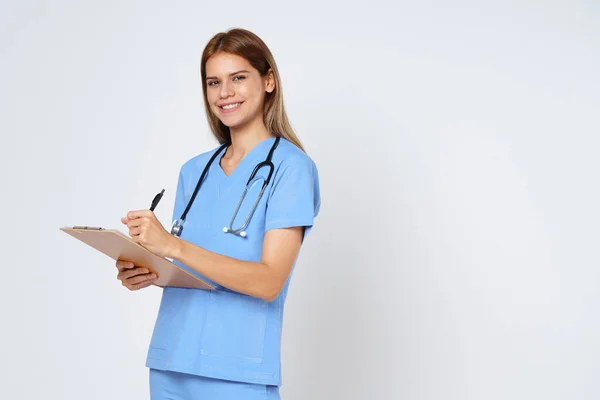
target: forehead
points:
(226, 63)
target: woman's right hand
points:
(132, 277)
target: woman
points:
(225, 344)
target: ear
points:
(270, 81)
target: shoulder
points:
(295, 185)
(289, 156)
(295, 170)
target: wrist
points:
(175, 247)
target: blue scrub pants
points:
(169, 385)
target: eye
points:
(239, 78)
(212, 83)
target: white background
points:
(456, 253)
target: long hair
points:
(246, 44)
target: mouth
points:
(231, 107)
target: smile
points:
(230, 107)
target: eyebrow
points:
(232, 74)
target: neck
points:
(243, 139)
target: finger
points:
(140, 278)
(124, 220)
(139, 213)
(134, 223)
(143, 284)
(130, 273)
(134, 232)
(137, 280)
(123, 265)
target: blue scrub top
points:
(221, 333)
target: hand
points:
(146, 230)
(134, 278)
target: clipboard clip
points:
(92, 228)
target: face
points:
(235, 90)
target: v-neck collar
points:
(248, 158)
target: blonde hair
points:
(246, 44)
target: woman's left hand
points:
(146, 230)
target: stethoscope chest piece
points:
(177, 227)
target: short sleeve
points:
(295, 196)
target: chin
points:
(232, 124)
(236, 121)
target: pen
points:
(156, 200)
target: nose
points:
(226, 90)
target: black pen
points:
(156, 200)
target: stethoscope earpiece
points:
(241, 233)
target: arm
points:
(263, 279)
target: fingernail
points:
(153, 276)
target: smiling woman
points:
(225, 344)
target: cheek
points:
(252, 91)
(211, 96)
(254, 96)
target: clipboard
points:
(118, 246)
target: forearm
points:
(255, 279)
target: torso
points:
(221, 333)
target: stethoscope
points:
(177, 226)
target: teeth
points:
(230, 106)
